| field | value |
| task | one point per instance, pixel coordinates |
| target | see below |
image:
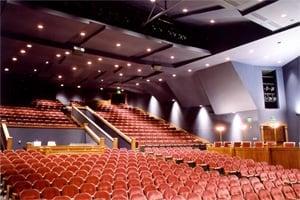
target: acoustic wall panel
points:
(188, 91)
(225, 90)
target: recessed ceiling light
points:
(137, 84)
(59, 76)
(101, 88)
(78, 86)
(189, 70)
(22, 51)
(152, 1)
(118, 87)
(160, 80)
(172, 57)
(174, 75)
(67, 52)
(173, 100)
(89, 62)
(207, 65)
(99, 71)
(120, 74)
(47, 62)
(116, 66)
(139, 70)
(128, 64)
(14, 59)
(212, 21)
(28, 45)
(6, 69)
(101, 80)
(227, 58)
(62, 85)
(251, 51)
(74, 68)
(279, 61)
(118, 44)
(35, 70)
(40, 26)
(122, 90)
(148, 80)
(58, 55)
(200, 106)
(82, 34)
(283, 15)
(148, 49)
(185, 10)
(99, 59)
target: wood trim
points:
(91, 133)
(8, 138)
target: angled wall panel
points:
(225, 90)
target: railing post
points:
(102, 142)
(115, 143)
(9, 143)
(133, 144)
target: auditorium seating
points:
(126, 174)
(34, 117)
(44, 104)
(145, 129)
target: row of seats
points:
(145, 129)
(44, 104)
(122, 174)
(33, 117)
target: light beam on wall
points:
(297, 109)
(203, 124)
(236, 128)
(154, 106)
(176, 114)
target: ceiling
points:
(116, 57)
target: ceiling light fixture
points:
(35, 70)
(172, 57)
(121, 74)
(99, 71)
(22, 51)
(74, 68)
(212, 21)
(101, 80)
(118, 44)
(189, 70)
(78, 86)
(174, 75)
(185, 10)
(152, 1)
(160, 80)
(6, 69)
(99, 59)
(62, 85)
(148, 49)
(82, 34)
(101, 88)
(137, 84)
(14, 59)
(40, 26)
(227, 58)
(28, 45)
(279, 61)
(128, 64)
(139, 70)
(59, 76)
(89, 62)
(251, 51)
(118, 88)
(207, 65)
(148, 80)
(67, 52)
(58, 55)
(116, 66)
(47, 62)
